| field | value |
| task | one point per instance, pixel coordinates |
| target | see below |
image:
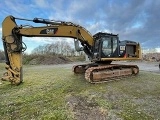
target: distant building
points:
(155, 57)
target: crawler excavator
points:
(101, 49)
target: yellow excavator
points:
(101, 49)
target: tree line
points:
(57, 48)
(2, 56)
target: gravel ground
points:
(144, 66)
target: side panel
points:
(127, 51)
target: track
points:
(105, 73)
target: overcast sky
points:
(137, 20)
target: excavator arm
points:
(13, 45)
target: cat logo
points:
(122, 47)
(50, 31)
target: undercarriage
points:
(99, 73)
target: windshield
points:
(109, 45)
(106, 46)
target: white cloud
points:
(16, 6)
(46, 40)
(97, 27)
(137, 20)
(42, 3)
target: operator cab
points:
(106, 45)
(109, 46)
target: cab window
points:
(106, 46)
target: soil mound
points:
(45, 59)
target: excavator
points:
(101, 48)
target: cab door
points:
(109, 47)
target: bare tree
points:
(2, 56)
(39, 50)
(59, 48)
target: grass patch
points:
(56, 93)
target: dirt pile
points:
(45, 59)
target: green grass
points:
(47, 93)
